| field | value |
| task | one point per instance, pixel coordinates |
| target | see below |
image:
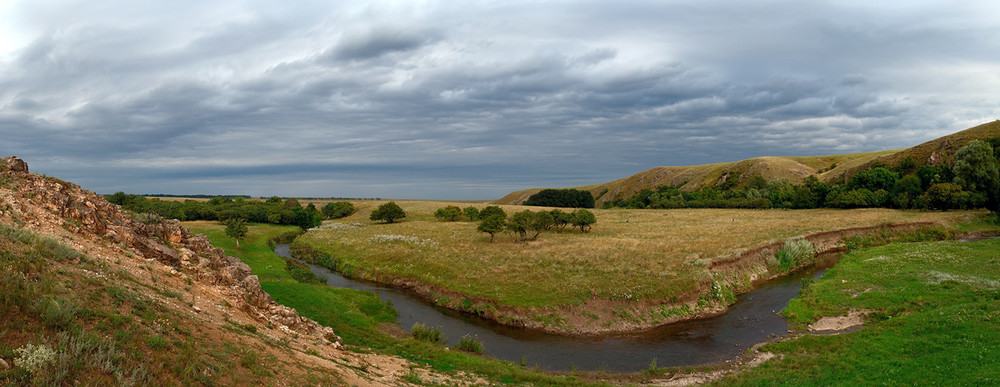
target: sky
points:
(473, 99)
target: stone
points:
(4, 365)
(15, 164)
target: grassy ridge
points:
(934, 319)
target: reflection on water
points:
(750, 321)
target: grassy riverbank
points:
(360, 317)
(565, 278)
(932, 317)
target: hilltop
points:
(795, 169)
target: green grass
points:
(934, 319)
(356, 316)
(629, 255)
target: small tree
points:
(236, 228)
(388, 212)
(471, 212)
(448, 214)
(491, 225)
(337, 210)
(491, 211)
(583, 219)
(976, 170)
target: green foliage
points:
(272, 211)
(945, 196)
(236, 228)
(561, 219)
(301, 272)
(388, 212)
(794, 253)
(583, 219)
(931, 320)
(426, 333)
(471, 212)
(492, 211)
(874, 179)
(469, 344)
(448, 214)
(492, 223)
(977, 170)
(527, 224)
(572, 198)
(57, 312)
(337, 210)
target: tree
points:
(492, 211)
(944, 196)
(976, 170)
(583, 219)
(388, 212)
(561, 219)
(448, 214)
(337, 210)
(471, 212)
(561, 198)
(236, 228)
(492, 224)
(874, 179)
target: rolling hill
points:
(826, 168)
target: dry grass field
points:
(629, 254)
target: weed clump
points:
(794, 253)
(469, 344)
(426, 333)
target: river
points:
(751, 320)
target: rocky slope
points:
(160, 263)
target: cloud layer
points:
(471, 100)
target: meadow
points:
(629, 255)
(932, 317)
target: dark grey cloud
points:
(472, 100)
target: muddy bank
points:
(731, 276)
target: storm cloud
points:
(472, 100)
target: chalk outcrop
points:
(45, 202)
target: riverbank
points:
(931, 316)
(638, 270)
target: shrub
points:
(57, 312)
(426, 333)
(388, 212)
(34, 358)
(469, 344)
(794, 253)
(583, 219)
(337, 210)
(471, 212)
(300, 272)
(448, 214)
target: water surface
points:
(751, 320)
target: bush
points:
(794, 253)
(300, 272)
(471, 212)
(388, 212)
(57, 312)
(337, 210)
(469, 344)
(34, 358)
(448, 214)
(426, 333)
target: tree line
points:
(972, 182)
(524, 226)
(273, 210)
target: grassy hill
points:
(826, 168)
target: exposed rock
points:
(189, 256)
(4, 365)
(934, 159)
(14, 164)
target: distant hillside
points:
(826, 168)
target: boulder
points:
(15, 164)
